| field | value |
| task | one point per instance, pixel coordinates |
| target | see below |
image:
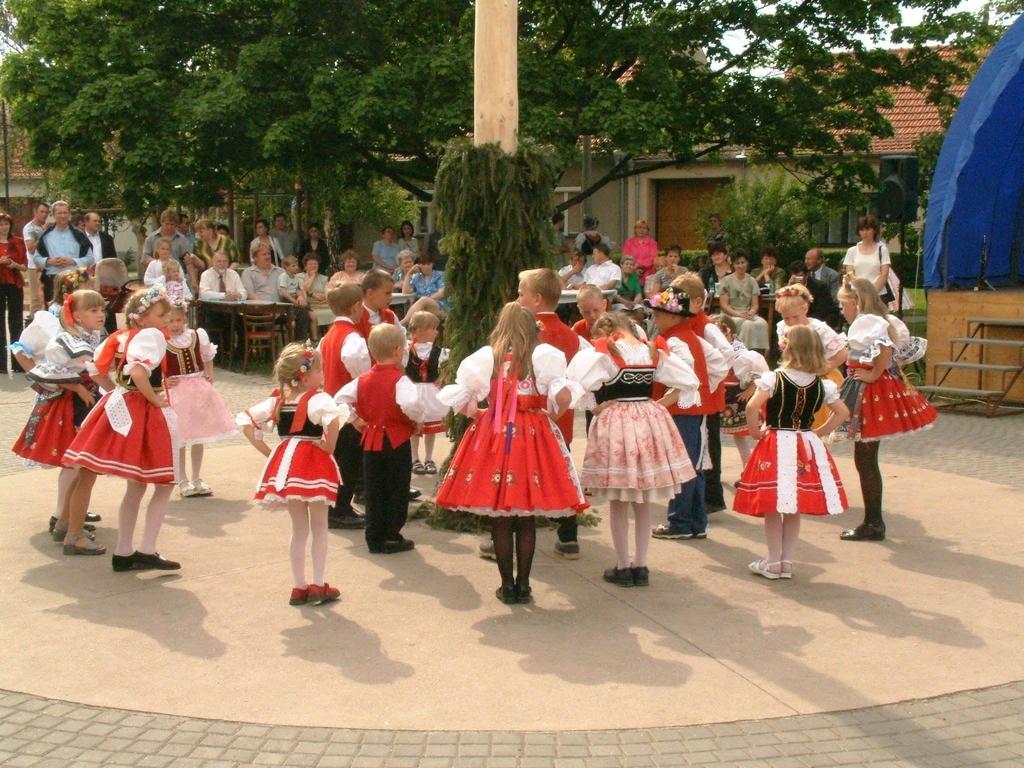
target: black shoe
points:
(394, 547)
(92, 517)
(620, 577)
(53, 522)
(122, 563)
(865, 532)
(507, 595)
(414, 494)
(711, 507)
(570, 550)
(346, 522)
(524, 593)
(641, 577)
(144, 562)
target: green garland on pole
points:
(495, 212)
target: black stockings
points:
(865, 458)
(524, 532)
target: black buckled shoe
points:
(865, 532)
(524, 592)
(507, 595)
(620, 577)
(641, 577)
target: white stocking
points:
(415, 440)
(644, 519)
(773, 535)
(127, 515)
(790, 535)
(155, 513)
(428, 450)
(197, 460)
(618, 516)
(297, 548)
(181, 464)
(318, 527)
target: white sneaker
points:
(199, 488)
(185, 489)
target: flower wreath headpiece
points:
(672, 300)
(307, 363)
(793, 291)
(72, 282)
(153, 295)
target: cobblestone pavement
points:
(974, 728)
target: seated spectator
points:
(428, 285)
(770, 276)
(385, 251)
(314, 243)
(663, 277)
(314, 285)
(571, 275)
(407, 238)
(349, 272)
(162, 255)
(628, 294)
(290, 291)
(262, 279)
(220, 282)
(406, 261)
(603, 272)
(739, 301)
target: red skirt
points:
(49, 431)
(890, 407)
(146, 454)
(790, 473)
(535, 476)
(298, 470)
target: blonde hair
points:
(377, 278)
(172, 266)
(164, 241)
(587, 292)
(83, 299)
(424, 321)
(692, 285)
(863, 291)
(341, 298)
(545, 283)
(290, 370)
(385, 339)
(204, 223)
(292, 260)
(789, 295)
(515, 334)
(804, 351)
(641, 223)
(611, 323)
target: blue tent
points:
(977, 194)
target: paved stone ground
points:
(973, 728)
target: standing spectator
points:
(102, 243)
(715, 272)
(869, 259)
(180, 245)
(262, 279)
(715, 232)
(604, 273)
(407, 237)
(642, 247)
(264, 239)
(13, 265)
(349, 272)
(185, 227)
(220, 282)
(385, 251)
(816, 268)
(823, 306)
(61, 247)
(31, 233)
(314, 243)
(589, 237)
(211, 240)
(770, 275)
(288, 240)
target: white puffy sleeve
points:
(355, 355)
(767, 382)
(675, 371)
(472, 381)
(257, 416)
(868, 334)
(147, 349)
(717, 363)
(40, 332)
(154, 274)
(348, 394)
(831, 391)
(591, 369)
(207, 350)
(549, 369)
(832, 342)
(322, 410)
(746, 365)
(408, 399)
(900, 330)
(64, 361)
(714, 336)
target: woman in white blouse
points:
(870, 257)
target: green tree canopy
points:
(139, 102)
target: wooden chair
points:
(260, 333)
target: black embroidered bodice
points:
(156, 379)
(423, 371)
(792, 407)
(628, 384)
(284, 424)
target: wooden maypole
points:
(496, 75)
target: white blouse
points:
(832, 342)
(423, 350)
(66, 358)
(406, 396)
(769, 380)
(747, 365)
(867, 335)
(592, 369)
(147, 349)
(473, 379)
(867, 265)
(184, 340)
(320, 410)
(43, 329)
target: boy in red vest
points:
(345, 357)
(386, 407)
(377, 287)
(592, 304)
(539, 292)
(687, 516)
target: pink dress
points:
(643, 250)
(203, 416)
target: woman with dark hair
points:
(407, 237)
(314, 243)
(264, 238)
(869, 258)
(13, 265)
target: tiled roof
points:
(17, 143)
(911, 116)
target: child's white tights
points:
(197, 461)
(781, 532)
(306, 519)
(744, 444)
(619, 520)
(128, 514)
(428, 447)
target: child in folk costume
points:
(65, 394)
(425, 360)
(300, 473)
(882, 404)
(635, 457)
(512, 463)
(66, 283)
(791, 472)
(131, 433)
(386, 409)
(345, 357)
(793, 303)
(739, 386)
(377, 286)
(203, 417)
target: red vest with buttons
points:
(364, 326)
(376, 404)
(582, 329)
(336, 375)
(690, 331)
(560, 336)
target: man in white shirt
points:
(31, 233)
(102, 243)
(604, 273)
(571, 275)
(219, 283)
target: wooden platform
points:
(948, 312)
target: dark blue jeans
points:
(686, 511)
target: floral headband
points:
(74, 281)
(307, 363)
(153, 295)
(673, 300)
(793, 291)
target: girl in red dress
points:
(300, 473)
(790, 473)
(131, 433)
(512, 463)
(882, 403)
